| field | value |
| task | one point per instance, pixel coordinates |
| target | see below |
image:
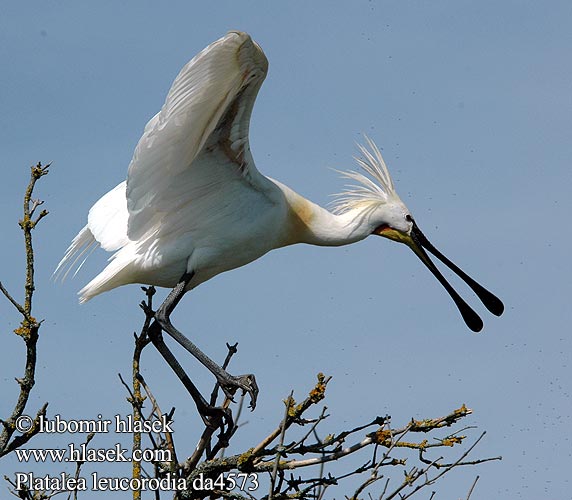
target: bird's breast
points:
(242, 237)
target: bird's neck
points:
(331, 229)
(310, 223)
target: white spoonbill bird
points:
(194, 205)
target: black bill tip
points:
(489, 299)
(471, 318)
(492, 303)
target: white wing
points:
(208, 106)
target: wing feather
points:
(208, 107)
(191, 169)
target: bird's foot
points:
(247, 383)
(217, 417)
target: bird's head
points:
(375, 197)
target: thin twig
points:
(78, 466)
(280, 446)
(472, 488)
(136, 398)
(20, 309)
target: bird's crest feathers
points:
(374, 190)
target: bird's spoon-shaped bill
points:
(417, 241)
(490, 301)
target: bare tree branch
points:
(29, 326)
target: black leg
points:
(212, 416)
(228, 383)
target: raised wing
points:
(207, 108)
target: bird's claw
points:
(247, 383)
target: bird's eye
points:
(408, 218)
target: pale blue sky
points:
(472, 104)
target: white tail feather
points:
(80, 245)
(79, 250)
(111, 277)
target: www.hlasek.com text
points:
(81, 453)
